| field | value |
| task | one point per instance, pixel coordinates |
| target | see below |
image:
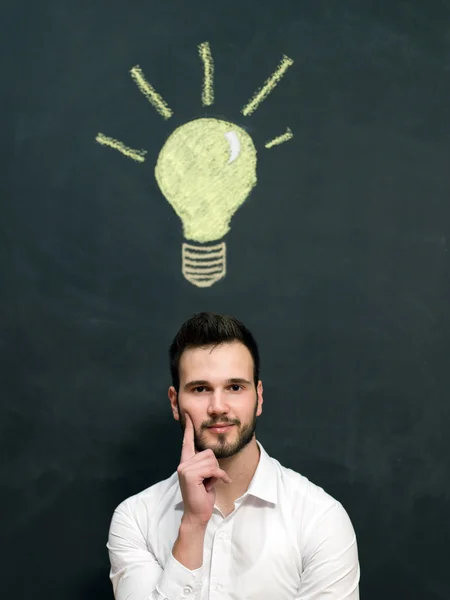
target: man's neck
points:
(241, 469)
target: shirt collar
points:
(263, 484)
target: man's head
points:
(214, 363)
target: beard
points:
(224, 446)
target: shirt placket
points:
(221, 560)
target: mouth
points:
(220, 428)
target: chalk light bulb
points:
(206, 169)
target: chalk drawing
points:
(235, 145)
(138, 155)
(208, 68)
(206, 169)
(268, 86)
(203, 265)
(280, 139)
(149, 92)
(196, 176)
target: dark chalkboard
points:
(337, 260)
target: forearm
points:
(188, 547)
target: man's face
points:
(217, 386)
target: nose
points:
(218, 404)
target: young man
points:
(231, 522)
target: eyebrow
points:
(197, 382)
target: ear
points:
(259, 393)
(172, 393)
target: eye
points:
(199, 388)
(235, 145)
(236, 385)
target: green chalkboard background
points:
(338, 262)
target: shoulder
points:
(301, 489)
(141, 507)
(311, 506)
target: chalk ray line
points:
(268, 86)
(208, 74)
(280, 139)
(150, 93)
(138, 155)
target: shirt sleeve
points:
(330, 559)
(135, 572)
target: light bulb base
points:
(202, 265)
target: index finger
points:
(188, 447)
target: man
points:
(231, 522)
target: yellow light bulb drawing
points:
(205, 170)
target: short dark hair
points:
(210, 329)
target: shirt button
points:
(222, 535)
(217, 588)
(187, 590)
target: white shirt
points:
(287, 539)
